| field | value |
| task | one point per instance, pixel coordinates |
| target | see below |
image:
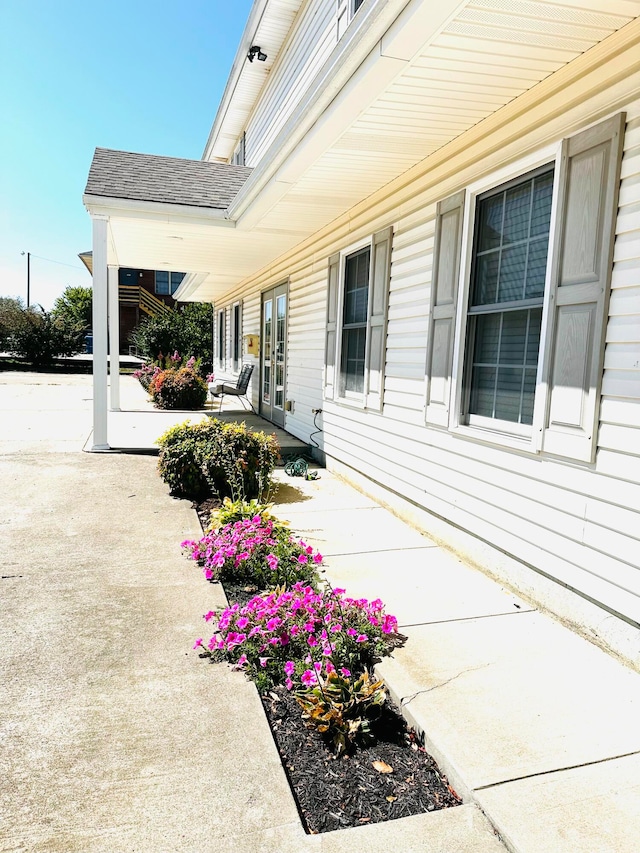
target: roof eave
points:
(113, 206)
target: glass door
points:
(273, 361)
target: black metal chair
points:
(237, 390)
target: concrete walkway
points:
(115, 736)
(529, 720)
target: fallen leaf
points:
(382, 767)
(391, 799)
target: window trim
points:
(222, 335)
(348, 8)
(352, 398)
(489, 429)
(236, 335)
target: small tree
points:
(40, 337)
(11, 317)
(74, 307)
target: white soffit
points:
(274, 22)
(490, 53)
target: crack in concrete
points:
(406, 699)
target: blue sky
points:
(137, 75)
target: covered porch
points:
(136, 425)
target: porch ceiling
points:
(417, 90)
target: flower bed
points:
(311, 650)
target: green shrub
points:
(217, 458)
(241, 510)
(40, 337)
(178, 389)
(187, 329)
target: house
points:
(428, 217)
(141, 293)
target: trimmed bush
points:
(178, 389)
(215, 458)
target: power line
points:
(60, 263)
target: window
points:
(221, 338)
(236, 336)
(128, 276)
(504, 317)
(168, 282)
(354, 322)
(358, 288)
(518, 358)
(346, 9)
(238, 158)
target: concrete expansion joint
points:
(407, 699)
(554, 770)
(464, 618)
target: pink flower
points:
(242, 660)
(308, 678)
(288, 684)
(197, 643)
(317, 558)
(208, 616)
(312, 640)
(303, 558)
(345, 672)
(361, 638)
(263, 662)
(242, 622)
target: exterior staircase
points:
(132, 294)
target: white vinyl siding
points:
(578, 523)
(310, 43)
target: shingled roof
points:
(147, 177)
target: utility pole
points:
(28, 254)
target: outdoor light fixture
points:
(256, 51)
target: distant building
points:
(142, 293)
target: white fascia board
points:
(189, 286)
(391, 34)
(419, 22)
(130, 208)
(246, 41)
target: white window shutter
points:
(377, 323)
(442, 317)
(581, 276)
(330, 375)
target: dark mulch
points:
(204, 508)
(334, 793)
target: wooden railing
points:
(133, 294)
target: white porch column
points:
(100, 224)
(114, 340)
